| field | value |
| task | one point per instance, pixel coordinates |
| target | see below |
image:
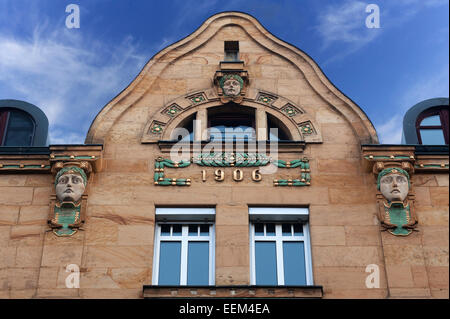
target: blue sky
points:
(72, 73)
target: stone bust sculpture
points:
(396, 215)
(67, 213)
(231, 84)
(394, 186)
(70, 183)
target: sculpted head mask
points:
(231, 84)
(394, 184)
(70, 183)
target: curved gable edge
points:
(353, 114)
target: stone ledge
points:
(150, 291)
(282, 147)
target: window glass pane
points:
(431, 120)
(286, 229)
(165, 230)
(198, 263)
(193, 230)
(20, 129)
(270, 229)
(294, 263)
(176, 230)
(298, 230)
(265, 263)
(259, 229)
(432, 137)
(204, 230)
(169, 263)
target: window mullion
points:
(252, 255)
(155, 275)
(308, 258)
(184, 255)
(279, 245)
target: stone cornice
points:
(23, 159)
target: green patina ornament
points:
(399, 215)
(65, 216)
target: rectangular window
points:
(184, 251)
(279, 247)
(231, 50)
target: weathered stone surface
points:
(399, 276)
(55, 256)
(232, 276)
(119, 256)
(16, 195)
(33, 215)
(337, 256)
(439, 196)
(8, 215)
(327, 235)
(362, 235)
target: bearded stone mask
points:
(70, 186)
(394, 187)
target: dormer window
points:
(432, 126)
(17, 128)
(231, 51)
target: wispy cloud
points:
(344, 24)
(390, 132)
(430, 86)
(67, 75)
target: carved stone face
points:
(394, 187)
(69, 188)
(231, 87)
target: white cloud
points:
(391, 131)
(430, 86)
(345, 23)
(67, 75)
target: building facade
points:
(230, 167)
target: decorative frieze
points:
(237, 160)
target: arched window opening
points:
(17, 128)
(432, 126)
(231, 123)
(276, 130)
(185, 130)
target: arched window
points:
(432, 126)
(17, 128)
(276, 130)
(232, 123)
